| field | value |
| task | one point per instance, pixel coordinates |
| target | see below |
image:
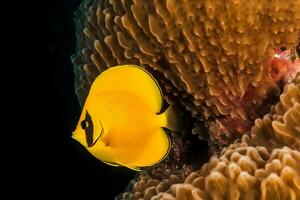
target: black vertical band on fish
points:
(89, 130)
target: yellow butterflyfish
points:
(121, 123)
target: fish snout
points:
(73, 135)
(79, 137)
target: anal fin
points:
(111, 164)
(155, 149)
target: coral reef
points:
(145, 187)
(226, 63)
(243, 172)
(264, 164)
(211, 55)
(283, 123)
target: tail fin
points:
(174, 121)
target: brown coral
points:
(259, 166)
(243, 172)
(145, 187)
(283, 123)
(212, 54)
(215, 57)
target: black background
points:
(61, 164)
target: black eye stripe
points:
(89, 129)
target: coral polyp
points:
(233, 69)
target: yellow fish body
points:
(120, 124)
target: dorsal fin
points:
(134, 79)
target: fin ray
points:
(174, 122)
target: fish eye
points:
(84, 124)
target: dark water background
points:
(61, 164)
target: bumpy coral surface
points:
(223, 60)
(214, 56)
(262, 165)
(283, 123)
(145, 187)
(243, 172)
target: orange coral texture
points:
(145, 187)
(209, 52)
(283, 123)
(263, 165)
(243, 172)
